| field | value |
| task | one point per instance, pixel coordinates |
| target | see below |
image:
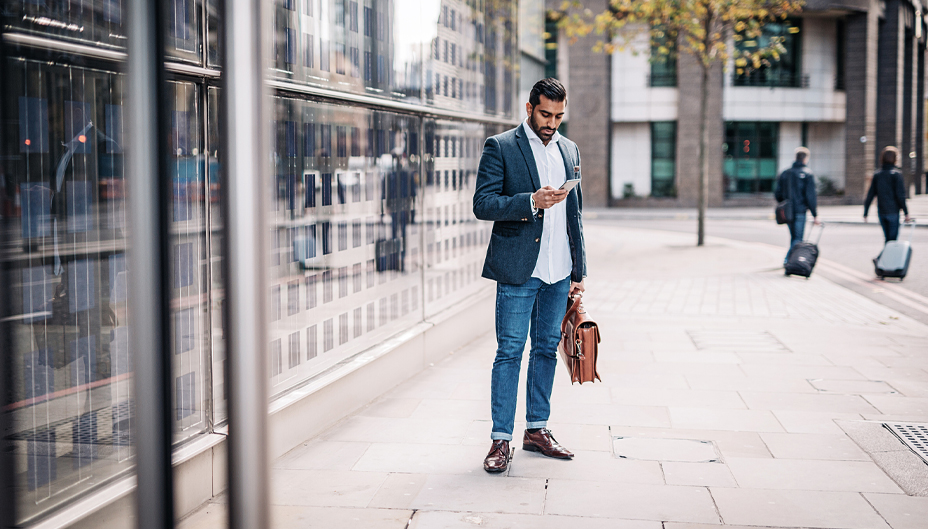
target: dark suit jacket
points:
(506, 179)
(798, 185)
(888, 187)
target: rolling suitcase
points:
(894, 260)
(802, 259)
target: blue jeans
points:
(890, 224)
(797, 230)
(535, 307)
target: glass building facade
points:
(380, 109)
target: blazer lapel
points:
(526, 148)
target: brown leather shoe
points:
(498, 458)
(542, 441)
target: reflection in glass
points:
(63, 199)
(345, 255)
(190, 166)
(370, 224)
(453, 54)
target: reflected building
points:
(380, 109)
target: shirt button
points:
(536, 240)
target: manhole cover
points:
(915, 436)
(650, 449)
(735, 340)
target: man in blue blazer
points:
(536, 256)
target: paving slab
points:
(724, 419)
(902, 512)
(423, 458)
(327, 517)
(430, 409)
(481, 493)
(816, 475)
(898, 405)
(698, 474)
(852, 387)
(397, 491)
(677, 397)
(757, 382)
(590, 466)
(391, 408)
(807, 402)
(838, 447)
(215, 516)
(387, 430)
(323, 455)
(812, 422)
(677, 525)
(630, 501)
(606, 414)
(470, 520)
(729, 443)
(907, 470)
(324, 488)
(796, 508)
(797, 359)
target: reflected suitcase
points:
(803, 257)
(894, 260)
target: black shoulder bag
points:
(784, 209)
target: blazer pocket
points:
(505, 231)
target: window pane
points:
(63, 200)
(663, 158)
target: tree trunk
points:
(703, 155)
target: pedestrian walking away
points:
(536, 255)
(797, 184)
(888, 187)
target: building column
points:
(688, 124)
(589, 112)
(860, 89)
(890, 87)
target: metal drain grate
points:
(915, 436)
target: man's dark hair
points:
(890, 155)
(551, 88)
(802, 154)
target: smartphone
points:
(569, 184)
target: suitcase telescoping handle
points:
(821, 226)
(912, 231)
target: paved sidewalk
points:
(734, 396)
(918, 208)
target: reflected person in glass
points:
(536, 255)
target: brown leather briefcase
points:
(579, 345)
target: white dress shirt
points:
(554, 261)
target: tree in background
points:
(714, 32)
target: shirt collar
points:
(532, 136)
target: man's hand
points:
(577, 288)
(815, 221)
(908, 219)
(548, 196)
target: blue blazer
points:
(506, 179)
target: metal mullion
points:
(244, 119)
(149, 258)
(208, 230)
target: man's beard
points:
(544, 134)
